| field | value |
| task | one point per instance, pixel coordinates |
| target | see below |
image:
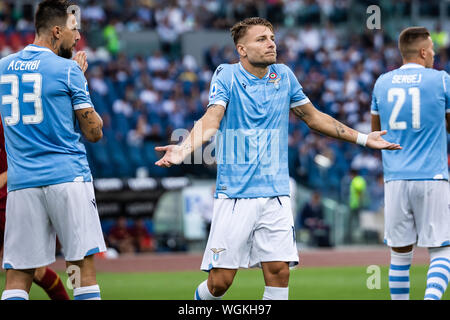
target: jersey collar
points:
(252, 76)
(411, 65)
(33, 47)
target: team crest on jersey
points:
(216, 253)
(275, 80)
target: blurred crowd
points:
(129, 236)
(143, 99)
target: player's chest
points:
(269, 94)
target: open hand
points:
(173, 156)
(375, 141)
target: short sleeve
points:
(219, 92)
(78, 87)
(297, 96)
(446, 84)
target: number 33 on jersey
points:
(39, 92)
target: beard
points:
(65, 52)
(263, 63)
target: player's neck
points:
(44, 42)
(259, 72)
(416, 61)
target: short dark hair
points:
(410, 36)
(240, 29)
(51, 13)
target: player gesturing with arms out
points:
(249, 108)
(50, 188)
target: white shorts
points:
(35, 216)
(246, 232)
(417, 212)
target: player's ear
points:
(56, 32)
(241, 50)
(423, 53)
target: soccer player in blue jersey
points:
(252, 222)
(50, 192)
(413, 104)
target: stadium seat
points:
(119, 159)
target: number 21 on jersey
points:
(398, 95)
(13, 98)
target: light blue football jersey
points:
(412, 103)
(252, 142)
(39, 92)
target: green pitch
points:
(342, 283)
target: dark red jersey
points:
(3, 167)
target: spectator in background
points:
(356, 202)
(312, 218)
(157, 62)
(111, 37)
(169, 38)
(94, 13)
(120, 238)
(142, 238)
(439, 37)
(366, 162)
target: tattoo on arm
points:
(299, 113)
(340, 130)
(96, 131)
(86, 114)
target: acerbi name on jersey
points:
(19, 65)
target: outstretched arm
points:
(329, 126)
(202, 132)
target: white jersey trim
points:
(82, 106)
(300, 103)
(36, 48)
(411, 65)
(219, 102)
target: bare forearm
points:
(91, 124)
(202, 132)
(326, 125)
